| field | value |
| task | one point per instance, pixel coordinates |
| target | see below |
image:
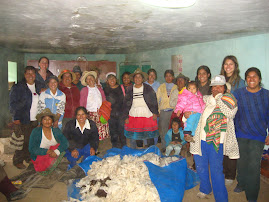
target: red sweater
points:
(72, 99)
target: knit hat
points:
(77, 69)
(229, 100)
(105, 111)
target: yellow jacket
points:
(162, 98)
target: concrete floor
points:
(59, 190)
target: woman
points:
(126, 82)
(203, 77)
(92, 98)
(140, 110)
(66, 77)
(43, 72)
(115, 96)
(230, 69)
(54, 99)
(82, 135)
(251, 123)
(23, 107)
(181, 82)
(152, 76)
(163, 99)
(215, 137)
(47, 144)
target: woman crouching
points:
(47, 144)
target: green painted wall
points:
(5, 56)
(110, 57)
(250, 51)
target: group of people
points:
(219, 120)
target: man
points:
(71, 92)
(23, 107)
(78, 74)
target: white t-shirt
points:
(94, 99)
(46, 143)
(35, 97)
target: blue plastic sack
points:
(170, 181)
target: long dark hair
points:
(204, 67)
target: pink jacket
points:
(190, 102)
(84, 95)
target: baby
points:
(190, 100)
(174, 138)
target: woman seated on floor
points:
(82, 135)
(47, 144)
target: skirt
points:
(103, 129)
(141, 128)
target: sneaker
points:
(228, 182)
(201, 195)
(238, 189)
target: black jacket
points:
(149, 97)
(21, 100)
(77, 140)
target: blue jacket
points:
(240, 84)
(168, 137)
(35, 141)
(21, 100)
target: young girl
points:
(174, 138)
(114, 95)
(190, 100)
(230, 69)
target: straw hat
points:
(139, 71)
(67, 71)
(45, 112)
(85, 75)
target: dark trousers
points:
(249, 166)
(116, 130)
(229, 168)
(24, 154)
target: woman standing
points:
(43, 72)
(215, 137)
(82, 135)
(251, 125)
(203, 77)
(92, 98)
(152, 76)
(54, 99)
(140, 110)
(163, 99)
(230, 69)
(115, 96)
(47, 144)
(126, 82)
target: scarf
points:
(215, 124)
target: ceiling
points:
(124, 26)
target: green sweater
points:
(35, 141)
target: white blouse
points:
(46, 143)
(94, 99)
(139, 107)
(35, 98)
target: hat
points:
(218, 80)
(85, 75)
(52, 77)
(182, 76)
(111, 73)
(77, 69)
(64, 72)
(139, 71)
(45, 112)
